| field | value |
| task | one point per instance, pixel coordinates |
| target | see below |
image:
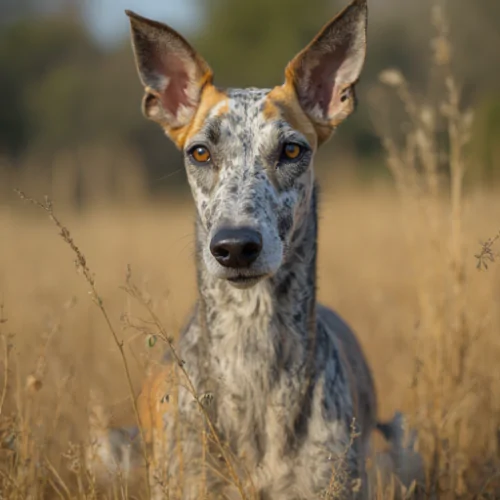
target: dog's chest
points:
(258, 411)
(242, 360)
(255, 398)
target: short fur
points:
(290, 390)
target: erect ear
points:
(172, 72)
(325, 72)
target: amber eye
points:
(292, 151)
(200, 154)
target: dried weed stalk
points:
(487, 254)
(340, 482)
(82, 267)
(160, 333)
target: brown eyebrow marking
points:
(210, 97)
(282, 103)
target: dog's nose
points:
(236, 247)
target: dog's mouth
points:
(242, 281)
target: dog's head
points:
(249, 152)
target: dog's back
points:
(361, 381)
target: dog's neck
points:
(279, 312)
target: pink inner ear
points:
(322, 79)
(174, 94)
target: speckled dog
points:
(285, 376)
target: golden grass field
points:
(397, 295)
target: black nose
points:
(236, 247)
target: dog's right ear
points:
(172, 72)
(324, 74)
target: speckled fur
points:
(286, 377)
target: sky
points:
(107, 21)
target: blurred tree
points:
(42, 69)
(60, 91)
(475, 33)
(250, 43)
(485, 147)
(11, 10)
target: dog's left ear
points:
(324, 73)
(172, 72)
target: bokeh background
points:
(400, 225)
(69, 93)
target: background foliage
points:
(62, 93)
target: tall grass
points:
(55, 347)
(428, 162)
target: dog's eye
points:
(200, 154)
(292, 151)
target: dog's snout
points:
(236, 247)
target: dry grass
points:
(58, 346)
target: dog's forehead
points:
(244, 109)
(252, 110)
(243, 100)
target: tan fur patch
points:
(210, 98)
(282, 102)
(155, 400)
